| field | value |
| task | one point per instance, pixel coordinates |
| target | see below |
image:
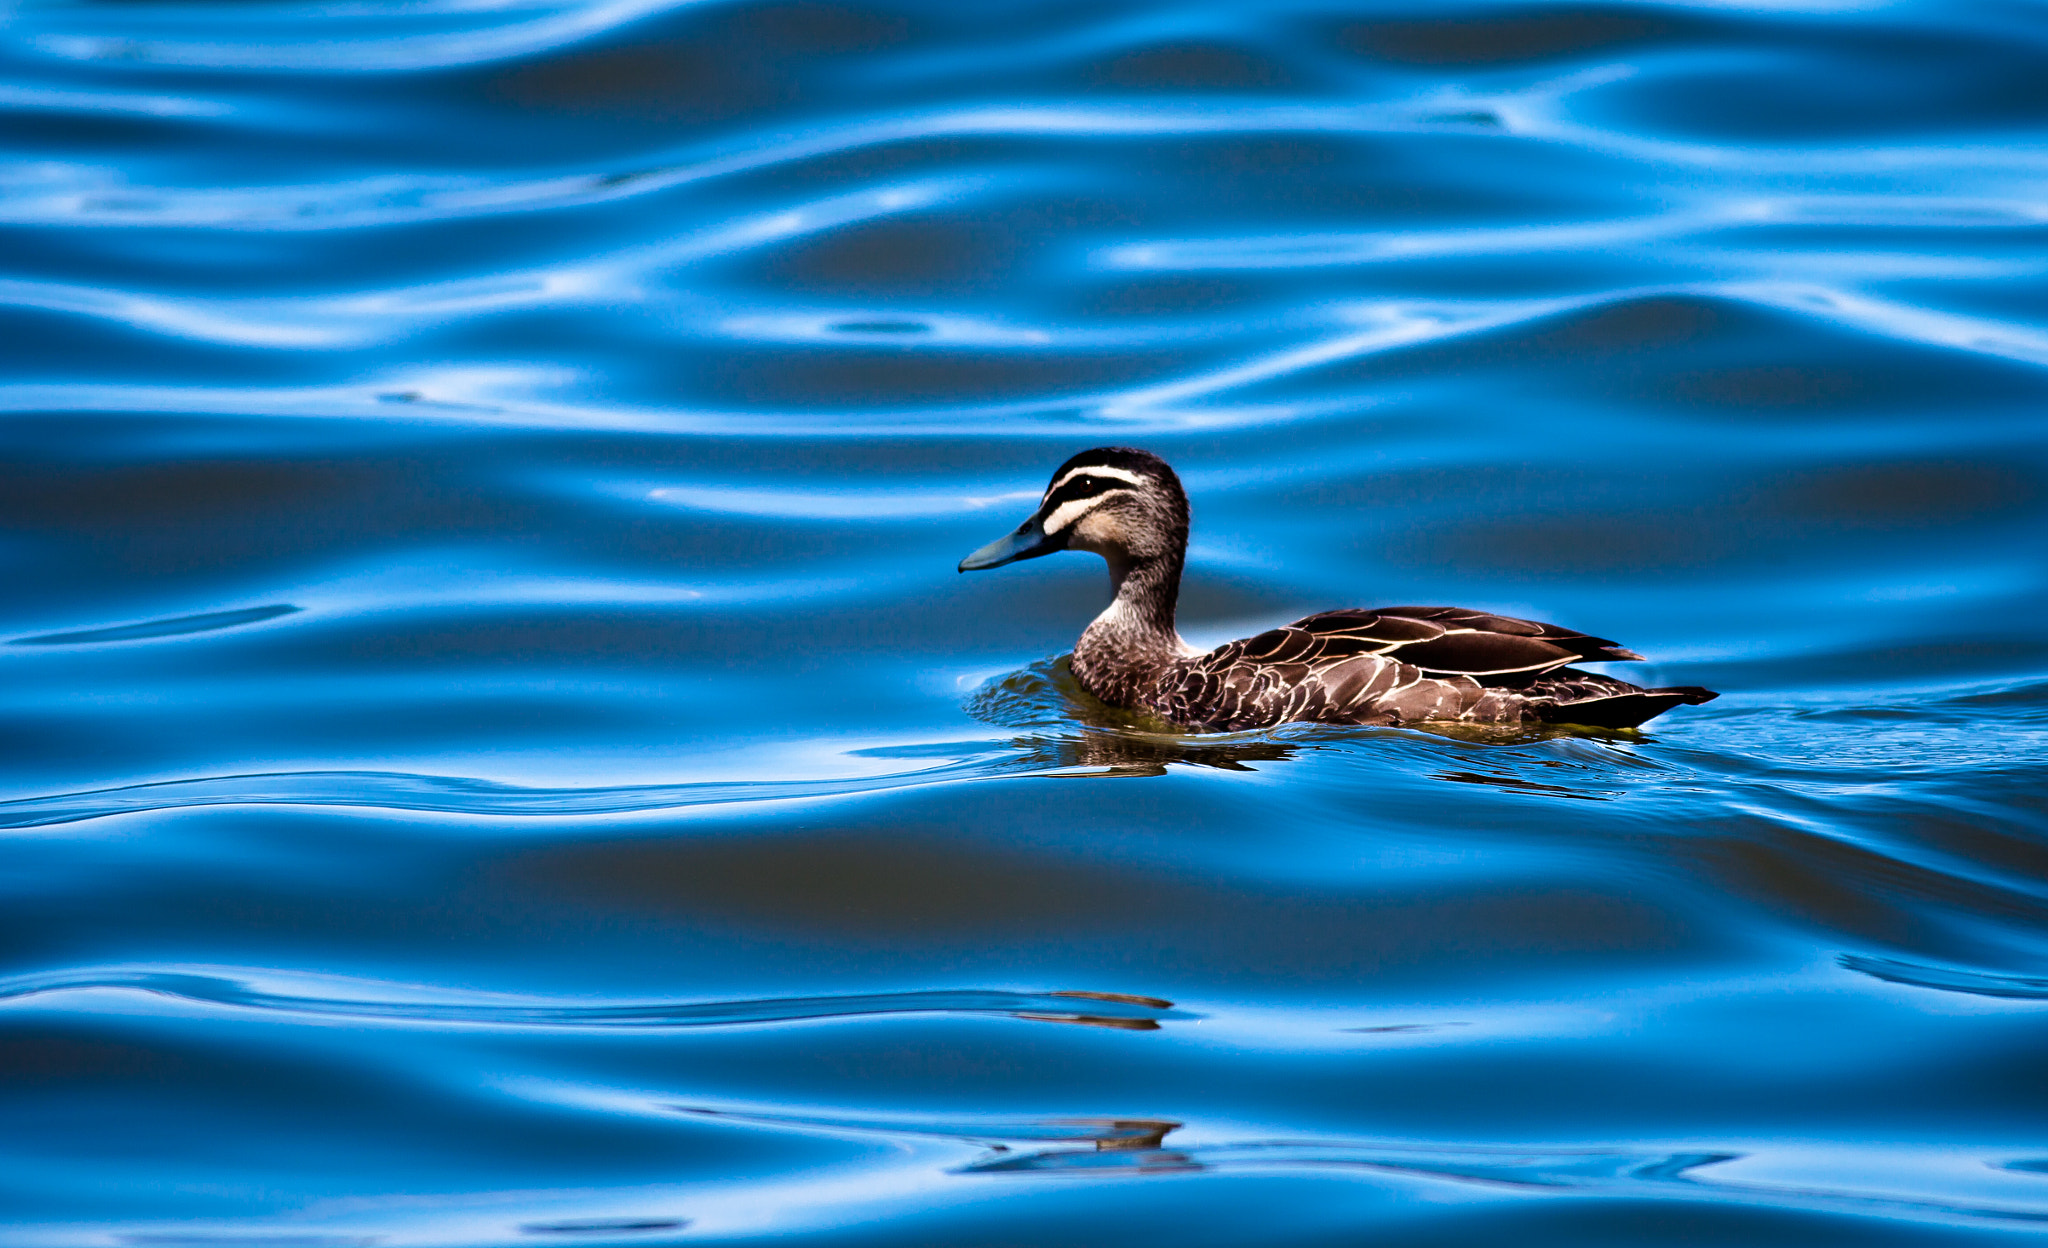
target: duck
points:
(1381, 666)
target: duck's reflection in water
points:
(1079, 734)
(1094, 752)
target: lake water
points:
(496, 751)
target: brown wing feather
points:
(1586, 646)
(1496, 649)
(1384, 627)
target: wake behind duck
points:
(1387, 665)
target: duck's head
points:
(1123, 504)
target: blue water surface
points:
(494, 750)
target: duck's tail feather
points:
(1570, 696)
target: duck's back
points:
(1404, 665)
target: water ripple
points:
(480, 35)
(1950, 979)
(1135, 1148)
(452, 794)
(1098, 1009)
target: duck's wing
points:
(1391, 665)
(1445, 641)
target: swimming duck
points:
(1387, 665)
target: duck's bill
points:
(1028, 542)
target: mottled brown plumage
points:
(1389, 665)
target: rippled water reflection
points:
(497, 752)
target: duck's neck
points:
(1135, 638)
(1146, 591)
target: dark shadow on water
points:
(1949, 979)
(604, 1226)
(1510, 784)
(1399, 1028)
(1103, 1134)
(177, 627)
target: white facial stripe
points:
(1114, 474)
(1066, 513)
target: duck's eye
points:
(1067, 512)
(1107, 478)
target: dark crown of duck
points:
(1387, 665)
